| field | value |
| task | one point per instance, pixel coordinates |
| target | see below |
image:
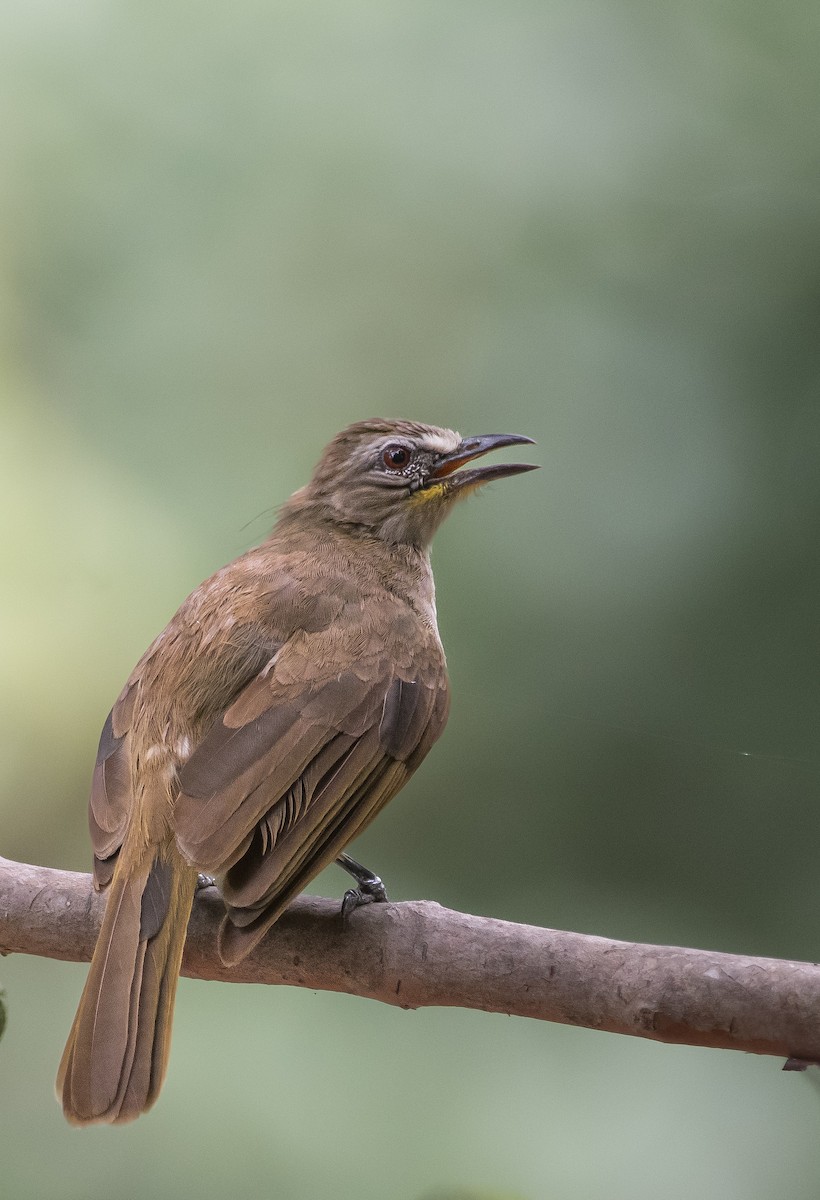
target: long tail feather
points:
(117, 1051)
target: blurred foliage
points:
(232, 230)
(469, 1194)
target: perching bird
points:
(289, 698)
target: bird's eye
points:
(396, 457)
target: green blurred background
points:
(229, 231)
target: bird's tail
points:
(117, 1052)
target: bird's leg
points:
(370, 887)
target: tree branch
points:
(418, 954)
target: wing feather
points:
(243, 928)
(294, 769)
(111, 788)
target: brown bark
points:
(418, 954)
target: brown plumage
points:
(289, 698)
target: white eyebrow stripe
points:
(441, 443)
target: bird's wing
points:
(111, 788)
(301, 762)
(240, 589)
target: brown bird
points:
(289, 698)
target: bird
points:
(292, 695)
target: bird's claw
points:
(369, 891)
(370, 888)
(204, 881)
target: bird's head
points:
(398, 480)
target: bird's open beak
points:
(471, 448)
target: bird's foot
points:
(355, 897)
(204, 881)
(370, 889)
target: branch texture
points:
(419, 954)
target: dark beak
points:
(475, 447)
